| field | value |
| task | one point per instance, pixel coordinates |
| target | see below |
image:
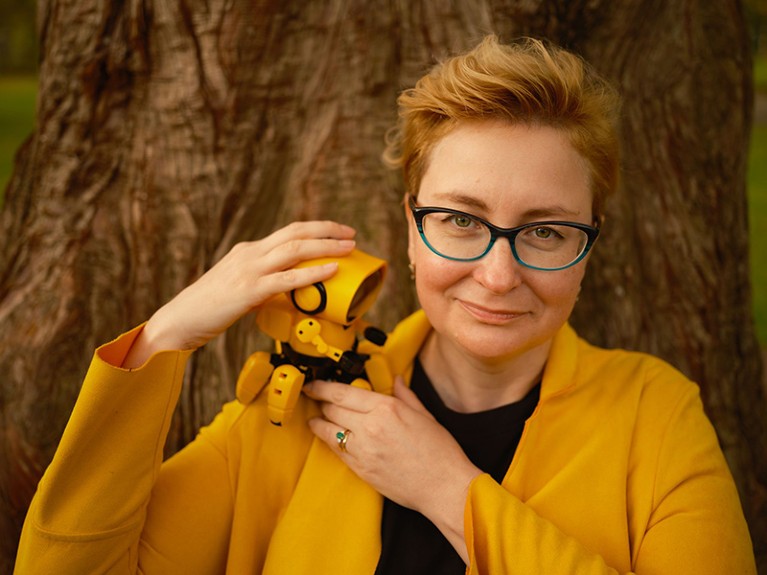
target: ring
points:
(342, 437)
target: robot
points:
(317, 331)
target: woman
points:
(518, 447)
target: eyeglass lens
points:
(545, 246)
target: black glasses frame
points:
(419, 212)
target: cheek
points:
(559, 291)
(435, 277)
(432, 268)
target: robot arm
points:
(254, 375)
(308, 331)
(285, 382)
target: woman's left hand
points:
(398, 448)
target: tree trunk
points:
(169, 131)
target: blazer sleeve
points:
(504, 535)
(695, 524)
(92, 502)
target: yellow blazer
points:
(618, 470)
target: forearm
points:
(97, 487)
(446, 508)
(504, 535)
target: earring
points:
(411, 267)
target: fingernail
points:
(346, 243)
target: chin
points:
(495, 344)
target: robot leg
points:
(284, 389)
(254, 376)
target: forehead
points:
(494, 167)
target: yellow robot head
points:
(347, 295)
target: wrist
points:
(446, 507)
(153, 338)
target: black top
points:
(410, 543)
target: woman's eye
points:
(546, 233)
(462, 221)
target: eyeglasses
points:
(460, 236)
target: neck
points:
(469, 384)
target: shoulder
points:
(635, 392)
(611, 376)
(642, 372)
(638, 400)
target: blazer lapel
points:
(332, 524)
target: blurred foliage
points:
(17, 120)
(18, 37)
(760, 73)
(757, 212)
(756, 15)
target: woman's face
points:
(494, 308)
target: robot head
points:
(348, 294)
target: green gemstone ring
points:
(342, 437)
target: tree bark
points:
(168, 132)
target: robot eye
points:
(310, 300)
(360, 301)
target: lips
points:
(490, 315)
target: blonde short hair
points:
(524, 82)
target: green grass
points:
(757, 210)
(760, 72)
(757, 207)
(17, 120)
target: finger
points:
(343, 395)
(294, 243)
(277, 273)
(286, 256)
(291, 252)
(308, 230)
(329, 433)
(288, 280)
(343, 417)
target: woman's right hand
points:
(246, 277)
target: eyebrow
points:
(550, 211)
(471, 202)
(466, 202)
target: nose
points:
(499, 271)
